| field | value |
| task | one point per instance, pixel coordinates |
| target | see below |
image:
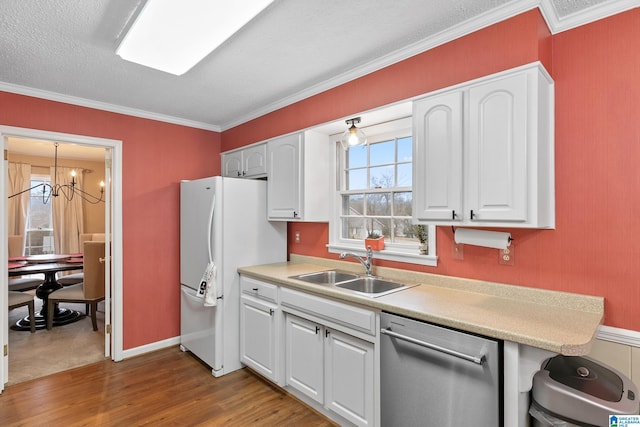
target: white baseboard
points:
(618, 335)
(158, 345)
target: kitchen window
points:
(374, 196)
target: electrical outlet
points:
(506, 256)
(457, 251)
(297, 237)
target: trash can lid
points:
(587, 376)
(582, 391)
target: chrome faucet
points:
(366, 263)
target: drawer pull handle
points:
(255, 289)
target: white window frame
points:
(407, 253)
(46, 178)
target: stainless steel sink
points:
(369, 286)
(372, 286)
(330, 277)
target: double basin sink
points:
(362, 285)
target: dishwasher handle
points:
(479, 360)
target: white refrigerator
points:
(223, 222)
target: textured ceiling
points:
(65, 49)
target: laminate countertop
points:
(560, 322)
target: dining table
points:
(49, 265)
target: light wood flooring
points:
(165, 387)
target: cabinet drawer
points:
(262, 290)
(348, 315)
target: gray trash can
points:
(577, 391)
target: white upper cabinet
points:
(484, 152)
(299, 168)
(249, 162)
(496, 153)
(232, 164)
(438, 157)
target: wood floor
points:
(166, 387)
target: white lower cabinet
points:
(333, 368)
(349, 376)
(259, 327)
(321, 350)
(304, 357)
(258, 340)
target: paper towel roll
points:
(490, 239)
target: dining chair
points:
(15, 246)
(90, 291)
(71, 279)
(20, 284)
(18, 299)
(75, 278)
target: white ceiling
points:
(40, 148)
(65, 50)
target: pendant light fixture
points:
(66, 190)
(353, 136)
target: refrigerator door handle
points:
(210, 228)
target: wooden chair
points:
(18, 299)
(90, 291)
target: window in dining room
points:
(39, 238)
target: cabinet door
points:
(232, 164)
(496, 180)
(284, 195)
(258, 336)
(350, 377)
(437, 160)
(304, 358)
(255, 161)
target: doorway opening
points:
(45, 349)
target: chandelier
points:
(68, 191)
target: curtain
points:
(18, 206)
(67, 214)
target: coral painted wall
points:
(592, 250)
(156, 156)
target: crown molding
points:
(83, 102)
(555, 23)
(471, 25)
(594, 13)
(547, 9)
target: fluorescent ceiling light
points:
(173, 36)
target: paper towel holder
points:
(483, 238)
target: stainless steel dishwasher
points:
(433, 376)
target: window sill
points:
(387, 254)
